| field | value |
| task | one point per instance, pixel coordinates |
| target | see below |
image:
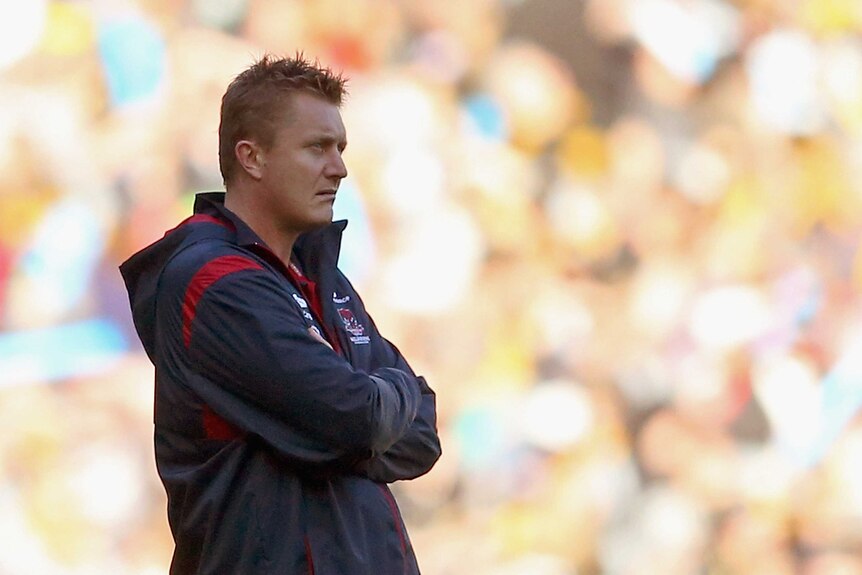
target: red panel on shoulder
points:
(210, 272)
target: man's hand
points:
(315, 333)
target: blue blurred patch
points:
(133, 57)
(56, 353)
(62, 255)
(841, 401)
(482, 438)
(357, 255)
(487, 116)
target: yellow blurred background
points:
(621, 238)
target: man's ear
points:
(250, 156)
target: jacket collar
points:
(314, 249)
(212, 204)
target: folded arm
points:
(253, 362)
(418, 449)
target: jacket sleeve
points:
(416, 452)
(252, 361)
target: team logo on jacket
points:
(353, 327)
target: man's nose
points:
(336, 167)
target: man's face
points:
(303, 167)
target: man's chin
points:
(319, 223)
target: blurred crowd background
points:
(619, 237)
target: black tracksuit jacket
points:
(275, 451)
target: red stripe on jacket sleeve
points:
(210, 273)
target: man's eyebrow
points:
(329, 139)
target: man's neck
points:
(279, 242)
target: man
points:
(281, 414)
